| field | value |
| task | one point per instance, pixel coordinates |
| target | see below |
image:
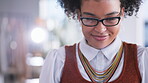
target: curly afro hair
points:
(71, 6)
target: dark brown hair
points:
(71, 6)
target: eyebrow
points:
(87, 13)
(108, 14)
(112, 13)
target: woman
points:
(101, 57)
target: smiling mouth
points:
(100, 38)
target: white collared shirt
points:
(54, 62)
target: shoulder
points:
(142, 54)
(53, 63)
(142, 50)
(56, 54)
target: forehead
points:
(100, 6)
(114, 2)
(99, 0)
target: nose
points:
(100, 28)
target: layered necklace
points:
(101, 76)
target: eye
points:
(111, 20)
(89, 21)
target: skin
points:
(101, 36)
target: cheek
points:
(114, 30)
(86, 30)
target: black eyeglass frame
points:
(102, 21)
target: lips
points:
(100, 37)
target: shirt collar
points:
(90, 52)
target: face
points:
(100, 36)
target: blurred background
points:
(29, 29)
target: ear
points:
(78, 14)
(122, 11)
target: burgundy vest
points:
(130, 72)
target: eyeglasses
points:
(108, 22)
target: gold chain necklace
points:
(104, 76)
